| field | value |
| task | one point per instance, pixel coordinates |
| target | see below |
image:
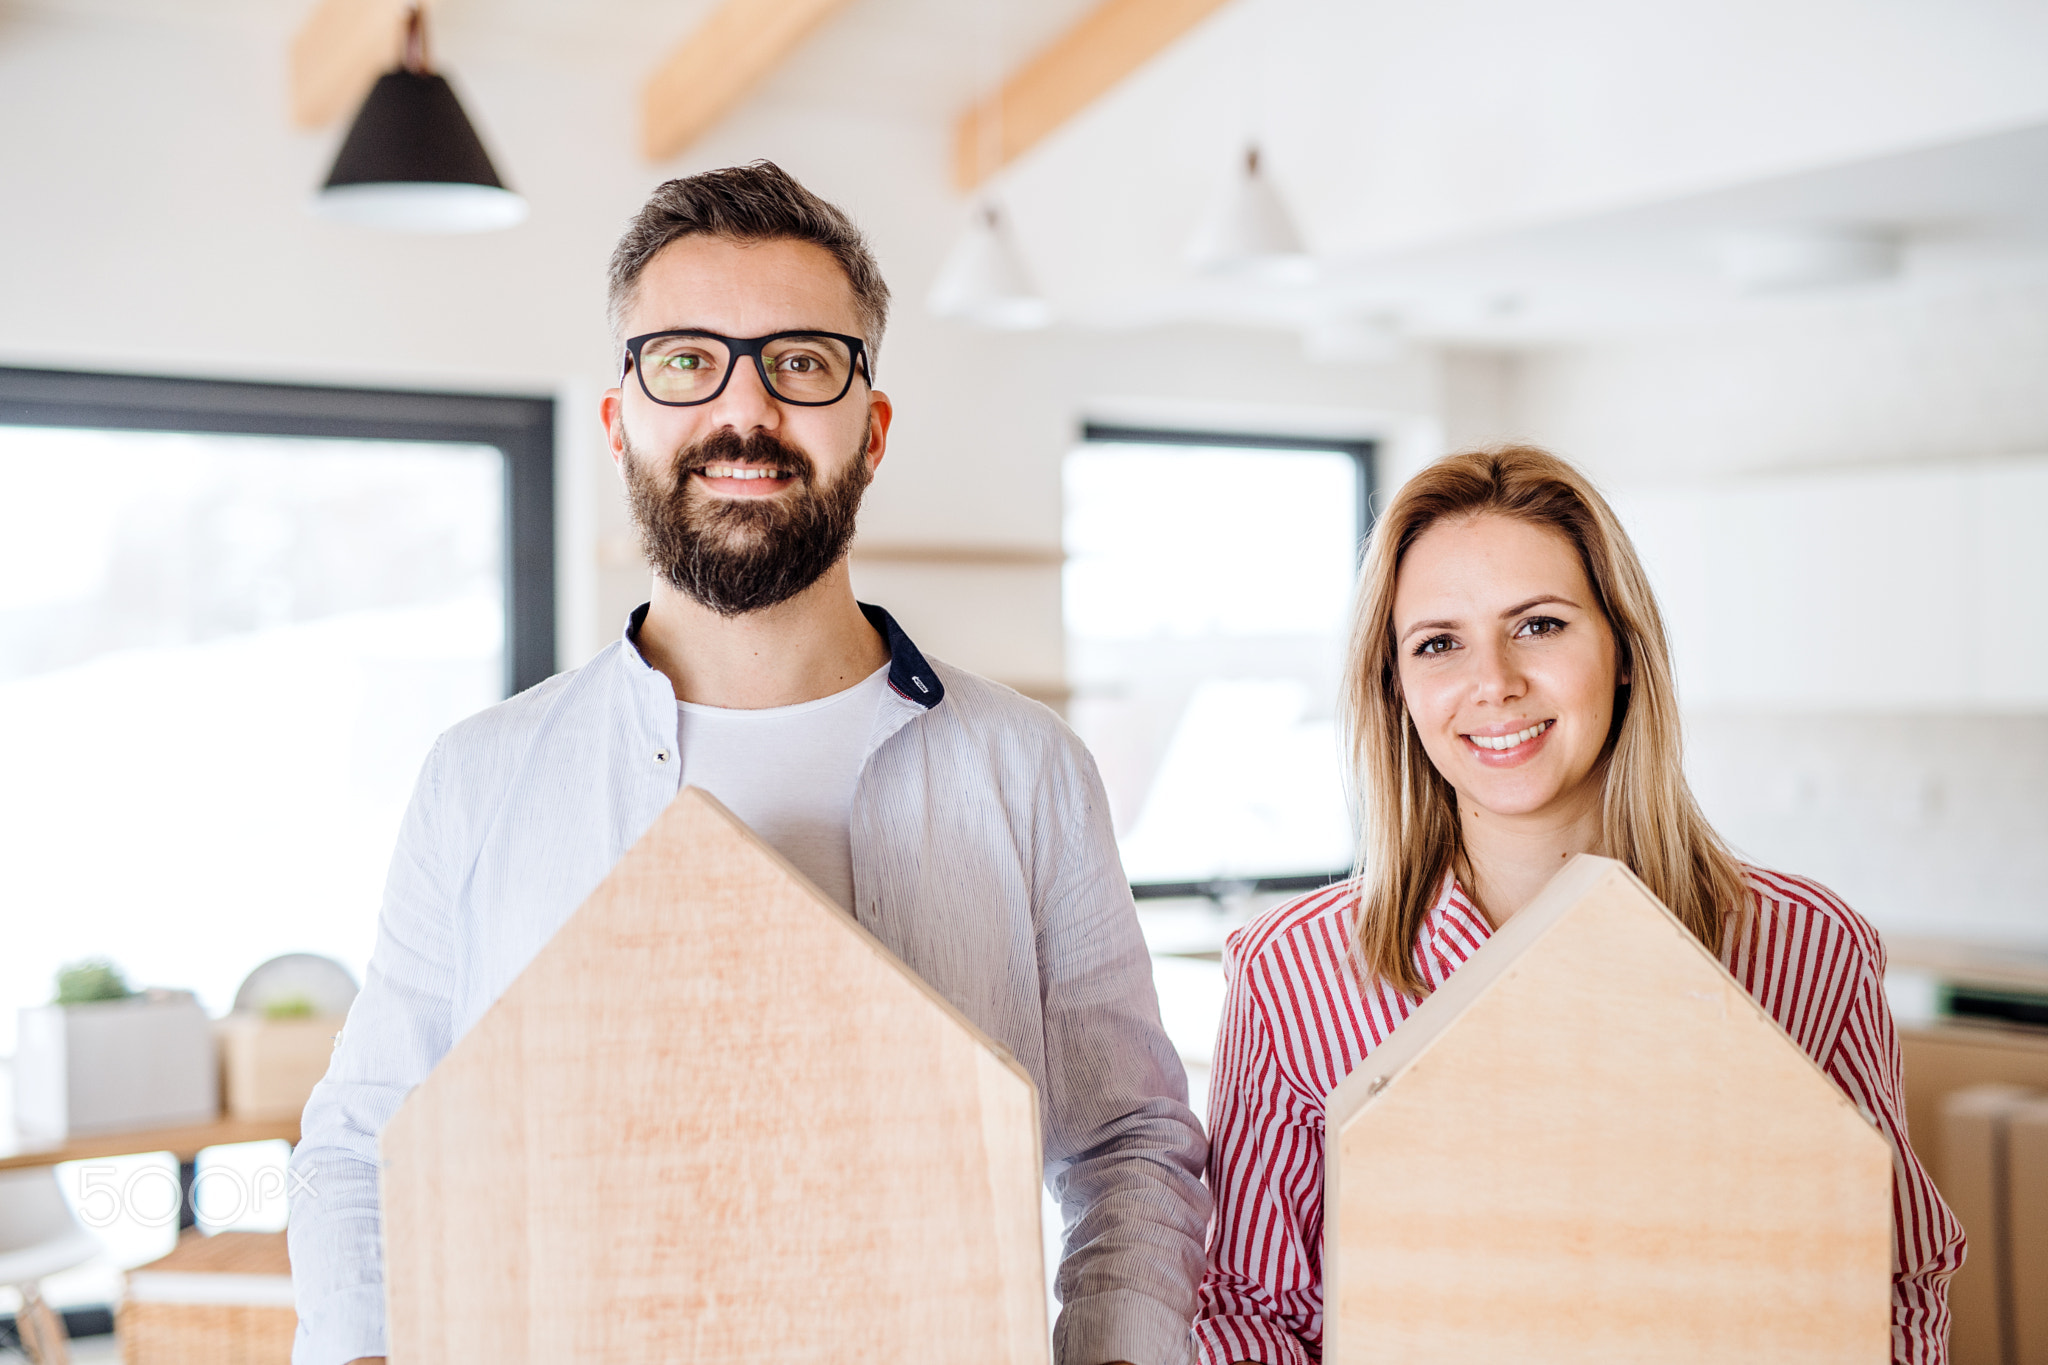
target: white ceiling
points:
(1472, 169)
(1495, 171)
(1968, 211)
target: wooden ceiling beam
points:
(1079, 67)
(719, 65)
(338, 54)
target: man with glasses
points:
(960, 823)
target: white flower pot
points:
(114, 1065)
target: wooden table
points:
(183, 1142)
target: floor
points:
(105, 1350)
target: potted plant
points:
(102, 1058)
(276, 1043)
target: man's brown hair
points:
(757, 202)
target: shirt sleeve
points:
(1124, 1152)
(1927, 1239)
(398, 1028)
(1261, 1298)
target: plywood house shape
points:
(715, 1121)
(1591, 1145)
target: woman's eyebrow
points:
(1510, 613)
(1538, 601)
(1429, 625)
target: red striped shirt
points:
(1296, 1021)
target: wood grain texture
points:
(184, 1142)
(718, 65)
(1592, 1146)
(339, 52)
(1072, 72)
(714, 1120)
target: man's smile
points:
(741, 480)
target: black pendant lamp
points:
(412, 162)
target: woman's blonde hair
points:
(1410, 836)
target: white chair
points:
(39, 1237)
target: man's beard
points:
(736, 555)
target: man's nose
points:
(747, 404)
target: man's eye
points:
(1435, 644)
(798, 364)
(682, 362)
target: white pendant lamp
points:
(984, 280)
(1248, 231)
(412, 162)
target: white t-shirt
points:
(789, 772)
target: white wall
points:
(1891, 750)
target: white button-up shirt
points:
(982, 857)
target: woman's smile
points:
(1497, 747)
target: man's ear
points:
(611, 409)
(880, 413)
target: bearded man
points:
(960, 823)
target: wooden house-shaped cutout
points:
(715, 1121)
(1591, 1145)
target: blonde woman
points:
(1509, 704)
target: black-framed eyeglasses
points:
(684, 368)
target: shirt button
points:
(661, 755)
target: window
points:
(1206, 595)
(232, 619)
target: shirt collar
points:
(910, 676)
(1451, 934)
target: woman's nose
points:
(1495, 678)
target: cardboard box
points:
(2026, 1228)
(220, 1300)
(115, 1065)
(1995, 1177)
(270, 1066)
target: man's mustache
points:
(726, 446)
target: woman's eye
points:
(1539, 625)
(1434, 645)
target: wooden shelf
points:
(1971, 964)
(183, 1142)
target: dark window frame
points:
(522, 428)
(1361, 449)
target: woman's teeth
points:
(1510, 741)
(732, 471)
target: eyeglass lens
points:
(803, 369)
